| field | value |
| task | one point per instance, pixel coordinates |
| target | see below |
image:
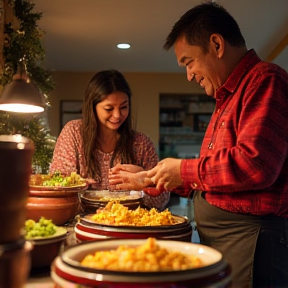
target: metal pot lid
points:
(104, 196)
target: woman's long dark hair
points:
(100, 86)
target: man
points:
(240, 181)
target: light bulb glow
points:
(123, 46)
(21, 108)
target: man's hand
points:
(166, 175)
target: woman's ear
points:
(217, 45)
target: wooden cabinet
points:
(183, 119)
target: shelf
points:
(182, 123)
(200, 112)
(179, 143)
(172, 107)
(171, 124)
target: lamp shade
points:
(21, 94)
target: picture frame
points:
(70, 110)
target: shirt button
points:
(194, 185)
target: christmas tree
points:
(22, 40)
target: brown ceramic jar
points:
(16, 154)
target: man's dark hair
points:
(200, 22)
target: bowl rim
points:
(89, 235)
(60, 234)
(69, 273)
(183, 221)
(26, 248)
(132, 195)
(69, 256)
(76, 188)
(133, 229)
(10, 246)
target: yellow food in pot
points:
(115, 213)
(149, 257)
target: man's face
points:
(200, 66)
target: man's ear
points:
(217, 44)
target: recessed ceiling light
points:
(123, 46)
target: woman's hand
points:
(166, 176)
(133, 181)
(124, 180)
(90, 181)
(125, 167)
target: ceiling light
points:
(123, 46)
(21, 94)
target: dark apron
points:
(236, 236)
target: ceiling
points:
(81, 35)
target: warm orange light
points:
(21, 94)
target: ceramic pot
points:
(15, 169)
(87, 230)
(46, 249)
(15, 266)
(91, 200)
(58, 209)
(67, 271)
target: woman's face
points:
(113, 110)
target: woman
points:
(104, 137)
